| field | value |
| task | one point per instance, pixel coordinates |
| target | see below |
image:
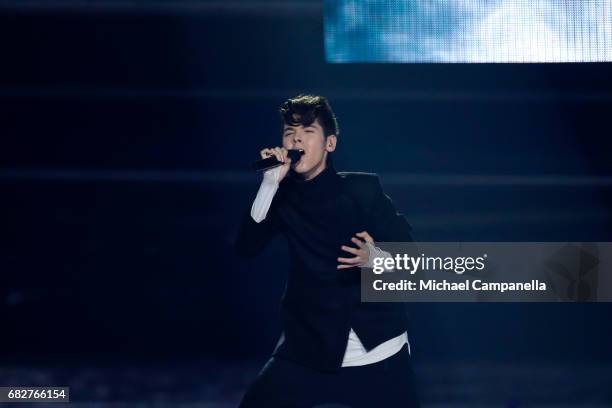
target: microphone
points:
(269, 162)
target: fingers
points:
(284, 153)
(280, 153)
(354, 260)
(359, 252)
(265, 153)
(367, 237)
(345, 266)
(357, 241)
(351, 250)
(349, 262)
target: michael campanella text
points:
(476, 284)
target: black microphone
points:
(269, 162)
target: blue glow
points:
(468, 31)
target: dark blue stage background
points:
(126, 133)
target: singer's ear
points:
(330, 143)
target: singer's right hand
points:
(281, 155)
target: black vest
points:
(321, 303)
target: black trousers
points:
(283, 383)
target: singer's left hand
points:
(362, 253)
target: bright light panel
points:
(468, 31)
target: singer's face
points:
(313, 142)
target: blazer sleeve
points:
(387, 224)
(253, 236)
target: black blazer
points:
(321, 303)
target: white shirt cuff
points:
(376, 252)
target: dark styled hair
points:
(308, 108)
